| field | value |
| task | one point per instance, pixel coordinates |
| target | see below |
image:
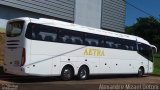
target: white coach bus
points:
(46, 47)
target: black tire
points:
(140, 72)
(67, 73)
(83, 73)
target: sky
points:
(150, 6)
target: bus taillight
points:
(23, 57)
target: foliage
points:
(147, 28)
(157, 64)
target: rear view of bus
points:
(15, 52)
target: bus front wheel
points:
(140, 72)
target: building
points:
(104, 14)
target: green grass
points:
(157, 64)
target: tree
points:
(147, 28)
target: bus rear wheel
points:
(83, 73)
(67, 73)
(140, 72)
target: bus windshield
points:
(14, 28)
(145, 51)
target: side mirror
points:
(154, 48)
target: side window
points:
(128, 45)
(110, 42)
(41, 32)
(33, 31)
(70, 37)
(54, 34)
(48, 33)
(64, 36)
(77, 38)
(119, 43)
(28, 33)
(132, 45)
(102, 41)
(91, 39)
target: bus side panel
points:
(150, 70)
(121, 62)
(78, 58)
(46, 57)
(93, 64)
(143, 62)
(56, 66)
(40, 65)
(28, 55)
(41, 62)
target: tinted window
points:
(41, 32)
(110, 42)
(118, 43)
(54, 34)
(145, 51)
(91, 39)
(70, 37)
(129, 45)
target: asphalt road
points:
(9, 82)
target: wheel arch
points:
(84, 65)
(142, 67)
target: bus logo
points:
(94, 52)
